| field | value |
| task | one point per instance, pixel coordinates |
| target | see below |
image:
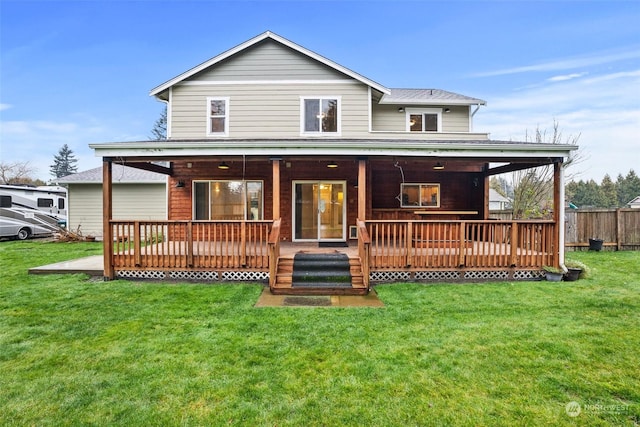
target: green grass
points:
(75, 351)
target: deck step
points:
(319, 274)
(321, 270)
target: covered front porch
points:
(403, 211)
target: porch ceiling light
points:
(438, 167)
(224, 166)
(332, 165)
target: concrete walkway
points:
(267, 299)
(92, 265)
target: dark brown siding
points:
(461, 185)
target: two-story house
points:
(275, 150)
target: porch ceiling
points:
(497, 151)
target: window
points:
(5, 201)
(60, 203)
(424, 120)
(227, 200)
(320, 115)
(218, 116)
(45, 203)
(422, 195)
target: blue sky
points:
(79, 72)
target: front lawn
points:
(75, 351)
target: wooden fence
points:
(619, 229)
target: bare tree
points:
(17, 173)
(159, 131)
(533, 188)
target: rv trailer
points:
(31, 211)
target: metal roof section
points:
(121, 175)
(428, 97)
(266, 35)
(349, 147)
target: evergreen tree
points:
(628, 187)
(64, 163)
(609, 192)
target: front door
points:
(319, 210)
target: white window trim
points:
(226, 115)
(209, 182)
(320, 133)
(410, 111)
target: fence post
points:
(619, 226)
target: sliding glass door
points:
(319, 210)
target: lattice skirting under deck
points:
(374, 276)
(454, 275)
(196, 276)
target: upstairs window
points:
(320, 115)
(424, 120)
(218, 116)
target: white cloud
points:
(39, 140)
(595, 58)
(5, 106)
(566, 77)
(603, 110)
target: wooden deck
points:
(404, 248)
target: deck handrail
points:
(273, 243)
(427, 244)
(364, 250)
(186, 244)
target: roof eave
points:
(443, 101)
(495, 150)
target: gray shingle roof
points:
(428, 96)
(121, 174)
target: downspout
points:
(561, 224)
(473, 113)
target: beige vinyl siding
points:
(265, 110)
(130, 201)
(268, 60)
(386, 118)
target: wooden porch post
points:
(107, 213)
(362, 189)
(276, 188)
(558, 213)
(486, 184)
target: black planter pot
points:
(572, 274)
(595, 245)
